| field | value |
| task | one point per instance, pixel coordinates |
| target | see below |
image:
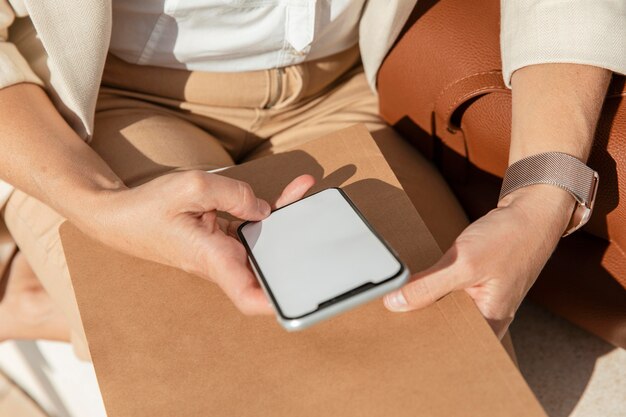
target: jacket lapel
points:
(381, 23)
(76, 36)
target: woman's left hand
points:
(497, 258)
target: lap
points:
(138, 144)
(141, 141)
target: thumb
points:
(426, 287)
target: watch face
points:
(583, 210)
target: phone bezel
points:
(339, 297)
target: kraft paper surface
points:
(166, 343)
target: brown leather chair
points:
(441, 86)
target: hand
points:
(497, 258)
(174, 220)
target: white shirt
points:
(232, 35)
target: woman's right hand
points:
(173, 220)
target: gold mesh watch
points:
(561, 170)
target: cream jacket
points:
(64, 44)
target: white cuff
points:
(13, 67)
(591, 32)
(6, 190)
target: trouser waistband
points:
(273, 88)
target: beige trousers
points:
(150, 121)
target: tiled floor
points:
(573, 373)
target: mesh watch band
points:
(561, 170)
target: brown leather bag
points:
(441, 86)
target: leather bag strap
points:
(454, 95)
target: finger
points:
(500, 326)
(231, 196)
(230, 270)
(241, 287)
(295, 190)
(230, 227)
(426, 287)
(497, 307)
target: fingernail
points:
(396, 301)
(264, 207)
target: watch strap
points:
(558, 169)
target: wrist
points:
(87, 203)
(549, 205)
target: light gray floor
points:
(573, 373)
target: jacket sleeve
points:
(591, 32)
(13, 67)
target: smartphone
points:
(318, 257)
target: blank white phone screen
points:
(316, 249)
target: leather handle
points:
(459, 92)
(455, 94)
